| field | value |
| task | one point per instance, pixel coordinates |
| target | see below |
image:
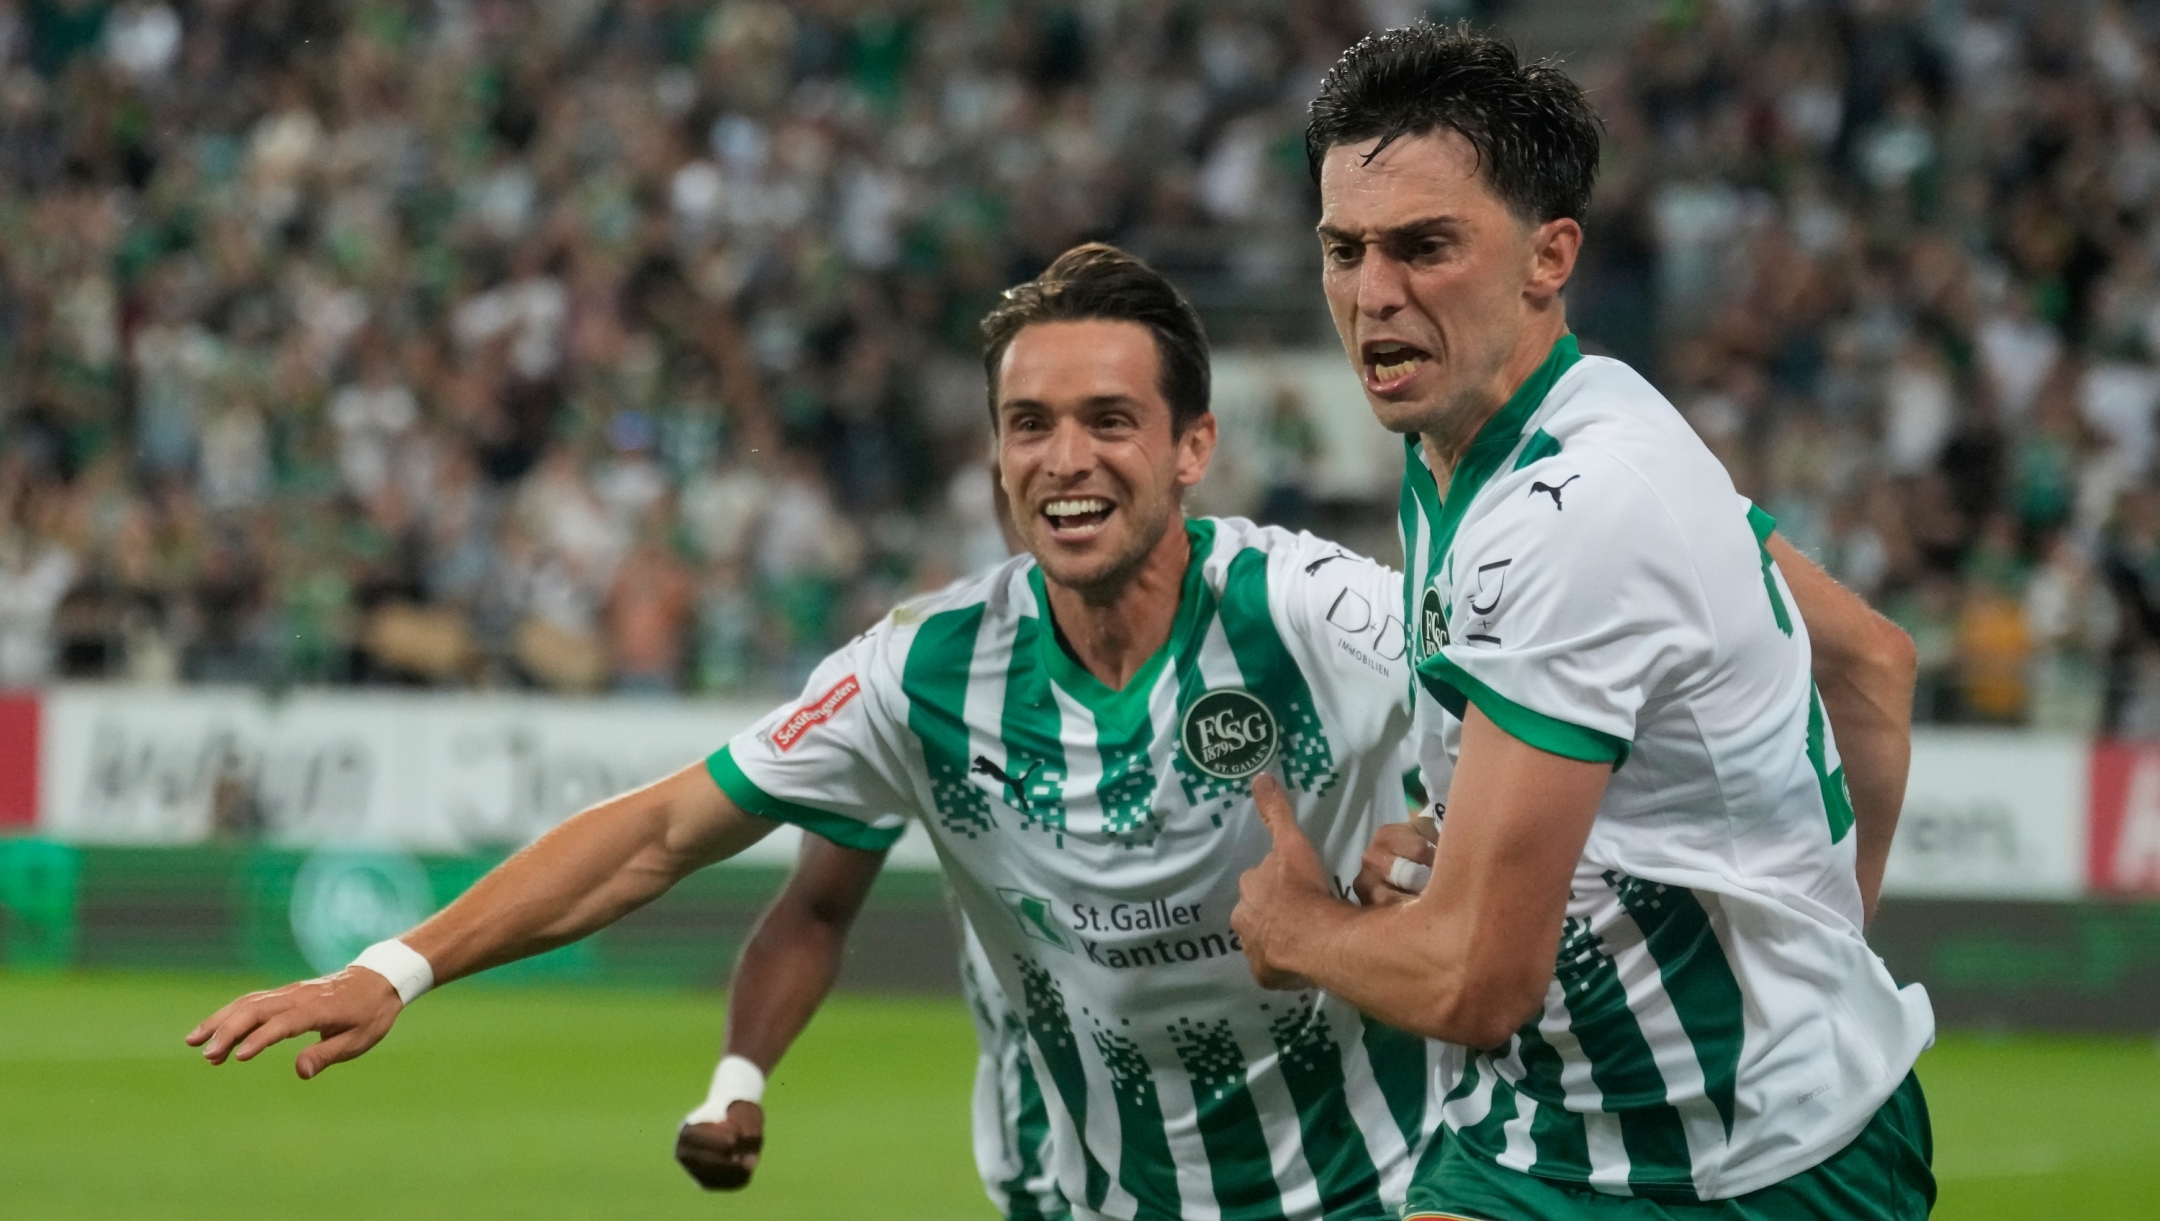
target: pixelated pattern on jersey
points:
(1210, 1053)
(1127, 793)
(1697, 978)
(1202, 790)
(1050, 1026)
(1043, 795)
(1130, 1077)
(1147, 1168)
(1312, 1067)
(1579, 958)
(962, 808)
(1307, 1046)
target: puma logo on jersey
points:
(1017, 784)
(1313, 568)
(1553, 489)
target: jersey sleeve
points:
(1571, 604)
(832, 763)
(1341, 616)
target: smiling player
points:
(1080, 731)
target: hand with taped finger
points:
(721, 1152)
(1279, 892)
(1396, 865)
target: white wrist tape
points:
(402, 965)
(736, 1080)
(1406, 874)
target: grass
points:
(539, 1103)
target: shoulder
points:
(1292, 561)
(932, 623)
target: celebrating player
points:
(1080, 732)
(1646, 908)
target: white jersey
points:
(1594, 585)
(1095, 837)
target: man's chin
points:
(1096, 566)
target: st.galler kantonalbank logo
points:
(1432, 625)
(1229, 734)
(1038, 919)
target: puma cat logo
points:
(1535, 488)
(1018, 784)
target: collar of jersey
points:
(1493, 443)
(1122, 706)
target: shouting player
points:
(1646, 910)
(1079, 731)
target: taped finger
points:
(1406, 874)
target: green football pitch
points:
(536, 1103)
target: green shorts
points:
(1883, 1175)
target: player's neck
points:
(1113, 633)
(1449, 437)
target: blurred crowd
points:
(628, 344)
(1905, 276)
(588, 344)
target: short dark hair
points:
(1100, 281)
(1535, 134)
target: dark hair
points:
(1099, 281)
(1535, 134)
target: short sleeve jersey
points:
(1094, 839)
(1592, 582)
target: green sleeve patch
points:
(1456, 690)
(838, 828)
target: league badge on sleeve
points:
(1229, 734)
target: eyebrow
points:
(1096, 401)
(1413, 228)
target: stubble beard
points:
(1105, 582)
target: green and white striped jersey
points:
(1594, 585)
(1095, 837)
(1011, 1121)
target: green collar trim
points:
(1117, 710)
(1490, 448)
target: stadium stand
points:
(627, 344)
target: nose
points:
(1381, 290)
(1071, 452)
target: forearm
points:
(1864, 668)
(1385, 962)
(585, 874)
(1871, 718)
(793, 956)
(786, 970)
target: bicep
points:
(703, 824)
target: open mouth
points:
(1390, 365)
(1076, 516)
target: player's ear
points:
(1553, 247)
(1195, 449)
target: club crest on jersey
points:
(1229, 734)
(1432, 625)
(813, 714)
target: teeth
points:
(1388, 373)
(1073, 508)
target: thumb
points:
(1274, 806)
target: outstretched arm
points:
(578, 878)
(786, 969)
(1864, 668)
